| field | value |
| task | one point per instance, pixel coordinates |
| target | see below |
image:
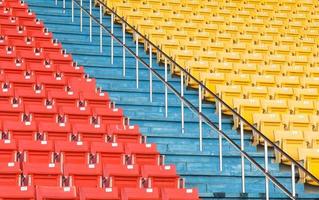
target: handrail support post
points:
(182, 102)
(200, 118)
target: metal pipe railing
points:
(184, 101)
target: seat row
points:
(91, 193)
(78, 152)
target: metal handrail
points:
(194, 109)
(276, 147)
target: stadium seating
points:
(61, 137)
(260, 57)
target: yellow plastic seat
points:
(260, 49)
(189, 27)
(216, 46)
(264, 80)
(298, 60)
(247, 68)
(223, 67)
(306, 94)
(192, 45)
(231, 57)
(205, 12)
(144, 26)
(312, 138)
(239, 47)
(202, 37)
(266, 124)
(294, 70)
(133, 16)
(290, 142)
(282, 49)
(306, 107)
(208, 56)
(179, 35)
(303, 51)
(168, 46)
(283, 93)
(275, 106)
(246, 108)
(277, 59)
(227, 93)
(211, 80)
(313, 72)
(298, 122)
(181, 57)
(195, 68)
(210, 28)
(176, 18)
(239, 79)
(256, 58)
(258, 92)
(270, 69)
(197, 19)
(310, 159)
(288, 81)
(266, 39)
(311, 82)
(156, 36)
(224, 37)
(248, 39)
(168, 26)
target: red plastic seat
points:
(84, 175)
(64, 97)
(143, 154)
(71, 70)
(17, 193)
(43, 174)
(82, 84)
(55, 81)
(21, 80)
(124, 134)
(7, 55)
(23, 44)
(8, 151)
(51, 193)
(53, 47)
(53, 131)
(11, 67)
(90, 132)
(76, 114)
(140, 194)
(31, 56)
(30, 95)
(59, 58)
(72, 152)
(108, 153)
(179, 194)
(91, 193)
(97, 98)
(122, 175)
(37, 151)
(42, 112)
(108, 115)
(41, 68)
(161, 176)
(41, 35)
(20, 130)
(6, 92)
(9, 111)
(9, 174)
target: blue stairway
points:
(201, 169)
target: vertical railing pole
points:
(293, 183)
(166, 103)
(182, 102)
(266, 170)
(136, 61)
(112, 41)
(90, 10)
(81, 15)
(242, 147)
(123, 49)
(63, 6)
(56, 2)
(101, 30)
(220, 139)
(72, 10)
(151, 77)
(200, 118)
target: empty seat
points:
(8, 151)
(55, 131)
(108, 153)
(83, 175)
(109, 115)
(10, 174)
(72, 152)
(44, 174)
(97, 193)
(297, 122)
(20, 130)
(312, 138)
(51, 192)
(179, 194)
(246, 108)
(277, 106)
(17, 192)
(143, 154)
(310, 159)
(140, 193)
(227, 94)
(266, 124)
(125, 134)
(161, 176)
(36, 151)
(281, 93)
(289, 141)
(121, 175)
(90, 132)
(303, 107)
